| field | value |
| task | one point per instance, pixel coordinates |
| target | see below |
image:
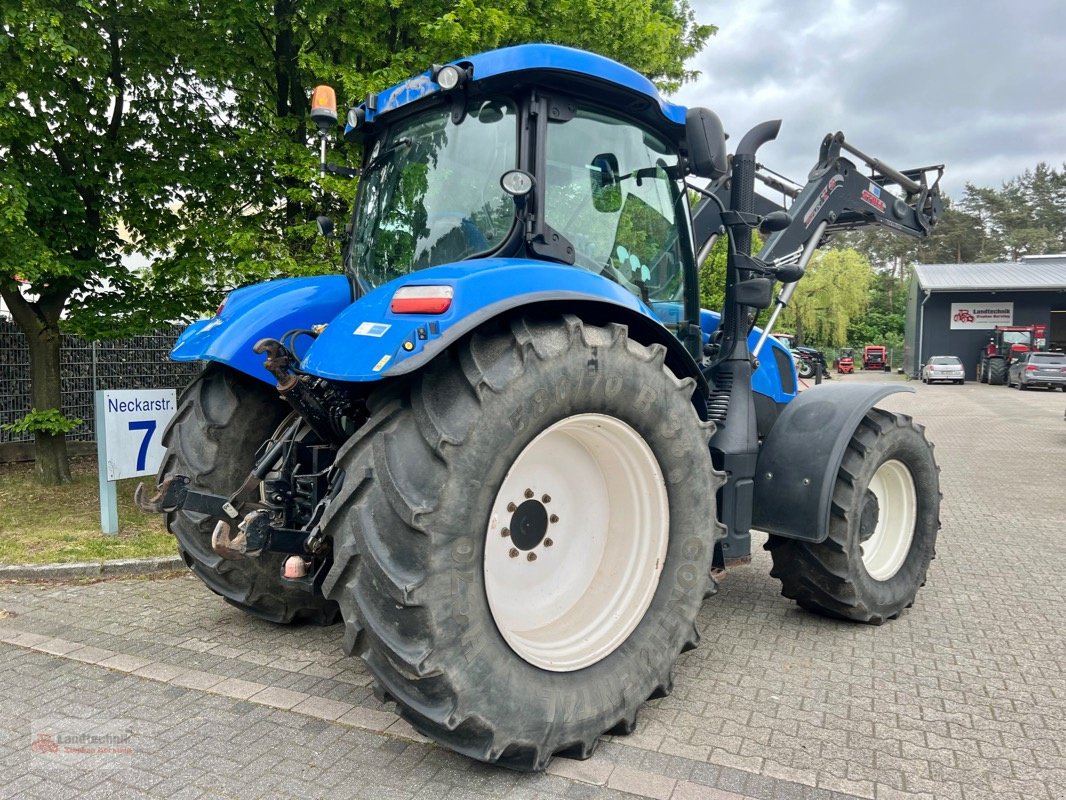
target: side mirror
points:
(755, 292)
(604, 177)
(325, 227)
(706, 144)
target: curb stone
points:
(93, 569)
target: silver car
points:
(1038, 369)
(943, 368)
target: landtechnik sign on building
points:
(981, 316)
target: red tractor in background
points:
(875, 356)
(1004, 346)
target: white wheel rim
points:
(570, 599)
(885, 551)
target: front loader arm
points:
(838, 194)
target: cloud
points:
(976, 86)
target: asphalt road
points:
(963, 697)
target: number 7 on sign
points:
(148, 426)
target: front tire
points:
(493, 640)
(882, 529)
(222, 419)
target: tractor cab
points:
(580, 162)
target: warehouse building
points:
(953, 308)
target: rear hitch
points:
(174, 493)
(169, 496)
(248, 541)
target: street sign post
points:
(129, 432)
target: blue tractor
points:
(506, 447)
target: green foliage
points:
(177, 134)
(833, 293)
(50, 421)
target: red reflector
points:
(218, 311)
(421, 300)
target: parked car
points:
(1038, 369)
(943, 368)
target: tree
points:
(1027, 216)
(833, 292)
(186, 126)
(101, 121)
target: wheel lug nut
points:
(548, 542)
(546, 499)
(553, 518)
(512, 507)
(531, 557)
(513, 552)
(505, 532)
(528, 493)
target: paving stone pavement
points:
(962, 697)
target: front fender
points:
(798, 463)
(267, 309)
(368, 341)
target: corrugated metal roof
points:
(1032, 273)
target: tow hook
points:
(250, 539)
(169, 496)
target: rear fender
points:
(799, 461)
(368, 341)
(267, 309)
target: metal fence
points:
(136, 362)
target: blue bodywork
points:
(259, 311)
(365, 341)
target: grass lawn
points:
(52, 524)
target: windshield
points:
(611, 190)
(431, 192)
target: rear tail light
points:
(1030, 368)
(421, 300)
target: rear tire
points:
(997, 371)
(883, 526)
(223, 417)
(450, 612)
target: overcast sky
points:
(978, 86)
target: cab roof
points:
(566, 68)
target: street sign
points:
(129, 433)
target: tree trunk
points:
(51, 465)
(39, 323)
